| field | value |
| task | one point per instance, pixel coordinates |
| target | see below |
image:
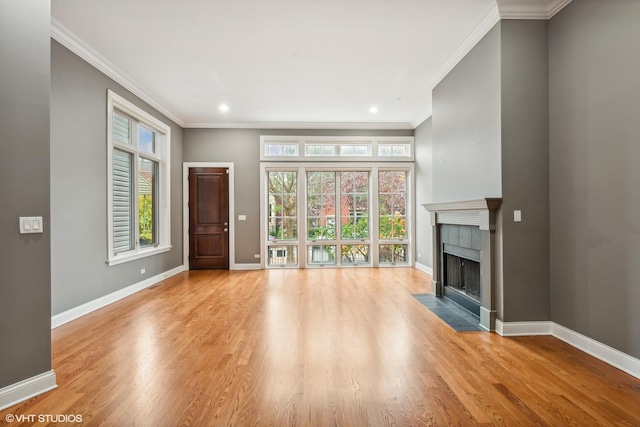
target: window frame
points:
(372, 144)
(162, 157)
(373, 241)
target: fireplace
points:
(464, 255)
(461, 255)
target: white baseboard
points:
(256, 266)
(81, 310)
(26, 389)
(610, 355)
(613, 357)
(424, 268)
(519, 329)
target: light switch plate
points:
(242, 217)
(31, 224)
(517, 216)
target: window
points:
(337, 148)
(282, 218)
(331, 214)
(138, 177)
(392, 218)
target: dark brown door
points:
(208, 218)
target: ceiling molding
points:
(530, 9)
(487, 23)
(65, 37)
(417, 122)
(304, 125)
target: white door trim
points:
(185, 209)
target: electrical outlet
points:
(257, 256)
(144, 270)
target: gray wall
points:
(242, 147)
(25, 278)
(525, 169)
(466, 126)
(594, 171)
(79, 273)
(424, 192)
(490, 139)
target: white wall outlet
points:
(144, 270)
(257, 256)
(31, 224)
(242, 217)
(517, 216)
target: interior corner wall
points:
(424, 192)
(490, 139)
(524, 79)
(466, 126)
(242, 148)
(594, 172)
(79, 273)
(25, 268)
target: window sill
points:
(122, 258)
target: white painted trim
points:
(487, 23)
(86, 308)
(530, 9)
(185, 208)
(516, 329)
(163, 157)
(26, 389)
(613, 357)
(422, 118)
(64, 36)
(556, 6)
(304, 125)
(424, 268)
(371, 142)
(247, 266)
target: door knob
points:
(226, 223)
(226, 229)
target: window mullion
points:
(374, 215)
(136, 186)
(338, 215)
(302, 218)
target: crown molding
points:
(417, 122)
(303, 125)
(487, 23)
(65, 37)
(530, 9)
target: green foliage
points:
(393, 227)
(146, 222)
(322, 232)
(359, 230)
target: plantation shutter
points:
(121, 126)
(123, 236)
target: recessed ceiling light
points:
(373, 110)
(224, 107)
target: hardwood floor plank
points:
(328, 347)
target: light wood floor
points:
(346, 347)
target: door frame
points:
(185, 209)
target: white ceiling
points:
(278, 63)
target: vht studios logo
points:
(43, 418)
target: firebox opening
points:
(462, 282)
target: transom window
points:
(138, 200)
(316, 148)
